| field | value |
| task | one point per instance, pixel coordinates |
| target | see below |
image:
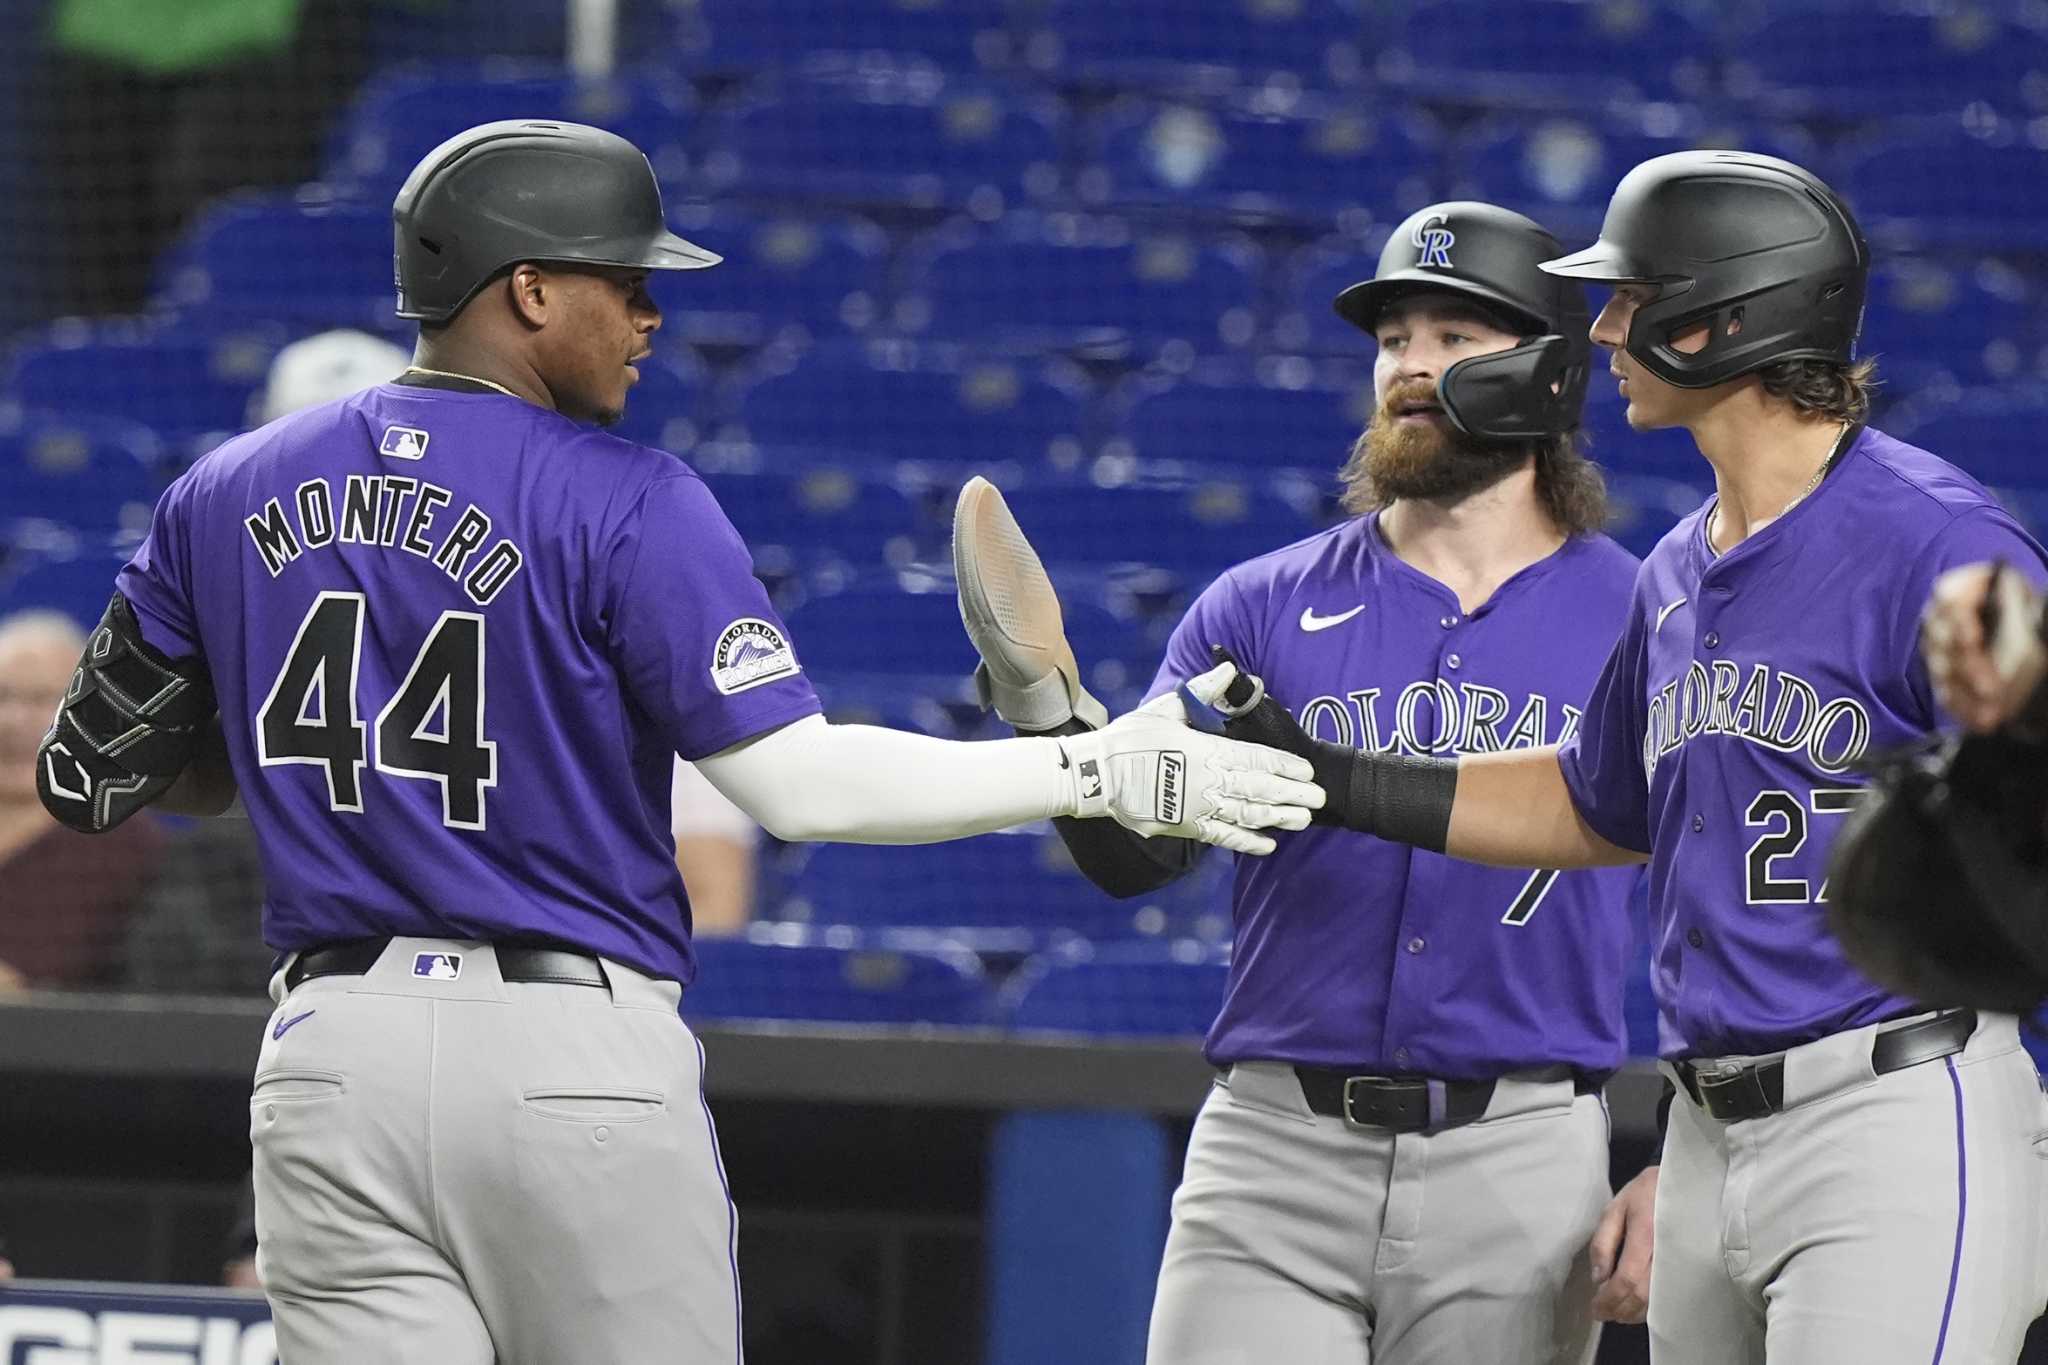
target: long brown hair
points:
(1573, 491)
(1823, 388)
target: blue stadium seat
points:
(875, 626)
(1195, 45)
(1967, 321)
(291, 260)
(1249, 425)
(1994, 435)
(899, 144)
(407, 111)
(669, 408)
(1143, 990)
(982, 413)
(739, 979)
(1561, 170)
(91, 473)
(1668, 453)
(824, 510)
(1311, 166)
(1946, 187)
(79, 585)
(822, 276)
(1903, 63)
(1200, 528)
(177, 382)
(1311, 279)
(1583, 54)
(745, 37)
(1038, 290)
(1016, 881)
(1644, 507)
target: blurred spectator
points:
(6, 1266)
(65, 898)
(319, 369)
(196, 929)
(147, 108)
(238, 1256)
(715, 843)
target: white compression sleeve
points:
(861, 784)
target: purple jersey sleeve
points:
(156, 581)
(1982, 535)
(1603, 762)
(691, 629)
(1217, 617)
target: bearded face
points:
(1410, 449)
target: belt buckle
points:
(1725, 1082)
(1351, 1121)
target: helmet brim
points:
(670, 252)
(1602, 263)
(1362, 304)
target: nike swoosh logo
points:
(284, 1024)
(1311, 622)
(1664, 613)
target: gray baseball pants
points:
(466, 1171)
(1899, 1219)
(1297, 1239)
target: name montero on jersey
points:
(373, 506)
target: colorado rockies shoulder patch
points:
(750, 652)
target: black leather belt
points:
(516, 962)
(1404, 1104)
(1732, 1093)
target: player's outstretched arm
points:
(1508, 809)
(1147, 771)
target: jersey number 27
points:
(312, 716)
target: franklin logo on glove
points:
(1171, 768)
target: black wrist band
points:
(1407, 800)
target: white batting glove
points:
(1154, 775)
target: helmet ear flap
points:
(1524, 393)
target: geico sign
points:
(32, 1334)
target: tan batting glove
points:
(1153, 774)
(1028, 673)
(1981, 635)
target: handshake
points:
(1171, 767)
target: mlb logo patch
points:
(403, 443)
(437, 966)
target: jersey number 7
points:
(311, 714)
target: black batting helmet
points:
(1758, 249)
(526, 190)
(1491, 255)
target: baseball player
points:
(1847, 1174)
(1406, 1154)
(455, 639)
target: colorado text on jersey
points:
(1776, 709)
(1467, 718)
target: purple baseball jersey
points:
(1724, 735)
(1353, 951)
(458, 640)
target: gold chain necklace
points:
(1834, 454)
(470, 378)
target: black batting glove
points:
(1253, 716)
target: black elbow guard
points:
(129, 723)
